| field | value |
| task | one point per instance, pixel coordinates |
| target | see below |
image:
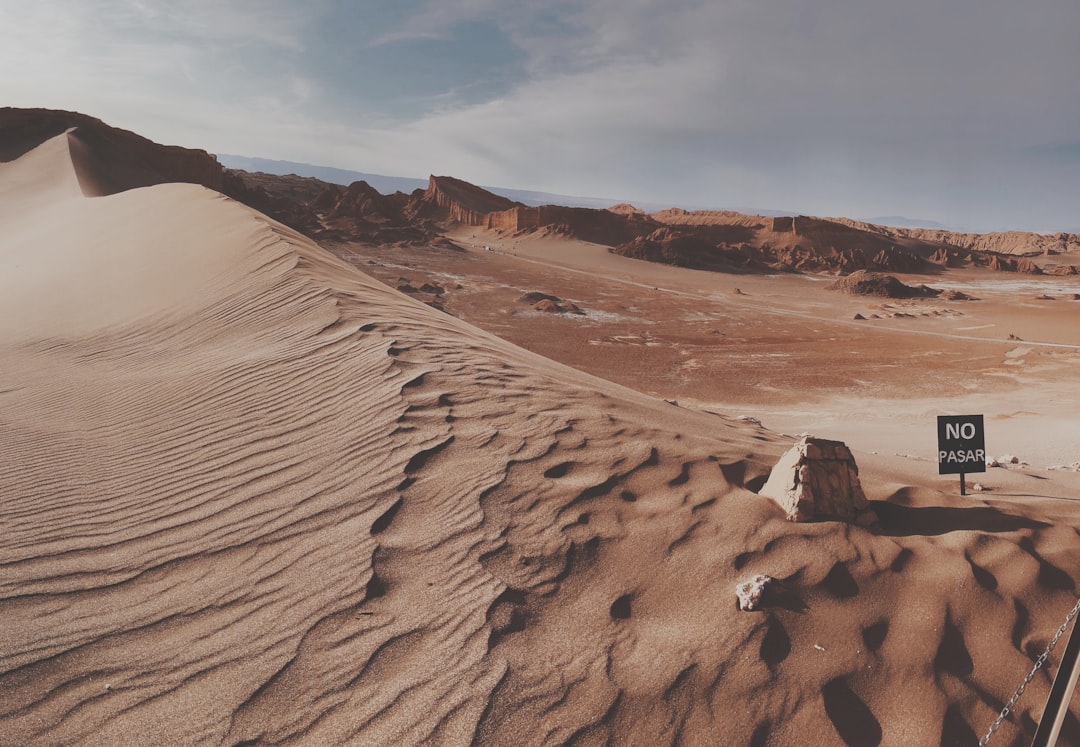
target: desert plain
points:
(263, 488)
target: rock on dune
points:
(816, 479)
(252, 496)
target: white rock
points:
(749, 593)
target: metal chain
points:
(1031, 675)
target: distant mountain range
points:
(899, 221)
(390, 184)
(337, 213)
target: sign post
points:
(961, 446)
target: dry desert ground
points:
(251, 495)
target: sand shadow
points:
(853, 719)
(779, 594)
(874, 635)
(955, 731)
(952, 654)
(1050, 576)
(776, 643)
(839, 582)
(745, 475)
(897, 521)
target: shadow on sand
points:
(933, 520)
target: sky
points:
(964, 112)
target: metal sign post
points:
(961, 446)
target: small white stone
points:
(749, 593)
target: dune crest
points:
(253, 496)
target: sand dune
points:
(252, 496)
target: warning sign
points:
(961, 444)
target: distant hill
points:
(900, 221)
(390, 184)
(721, 240)
(384, 184)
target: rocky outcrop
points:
(680, 217)
(782, 224)
(1003, 242)
(818, 479)
(863, 283)
(327, 211)
(597, 226)
(750, 594)
(689, 249)
(1054, 269)
(550, 304)
(999, 242)
(1012, 264)
(463, 202)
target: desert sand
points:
(252, 495)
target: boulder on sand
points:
(818, 479)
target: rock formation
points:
(689, 249)
(463, 202)
(1000, 242)
(818, 479)
(863, 283)
(550, 304)
(598, 226)
(749, 593)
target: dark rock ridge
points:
(863, 283)
(1001, 242)
(691, 249)
(550, 304)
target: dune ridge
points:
(253, 496)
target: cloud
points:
(840, 106)
(836, 107)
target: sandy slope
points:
(251, 496)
